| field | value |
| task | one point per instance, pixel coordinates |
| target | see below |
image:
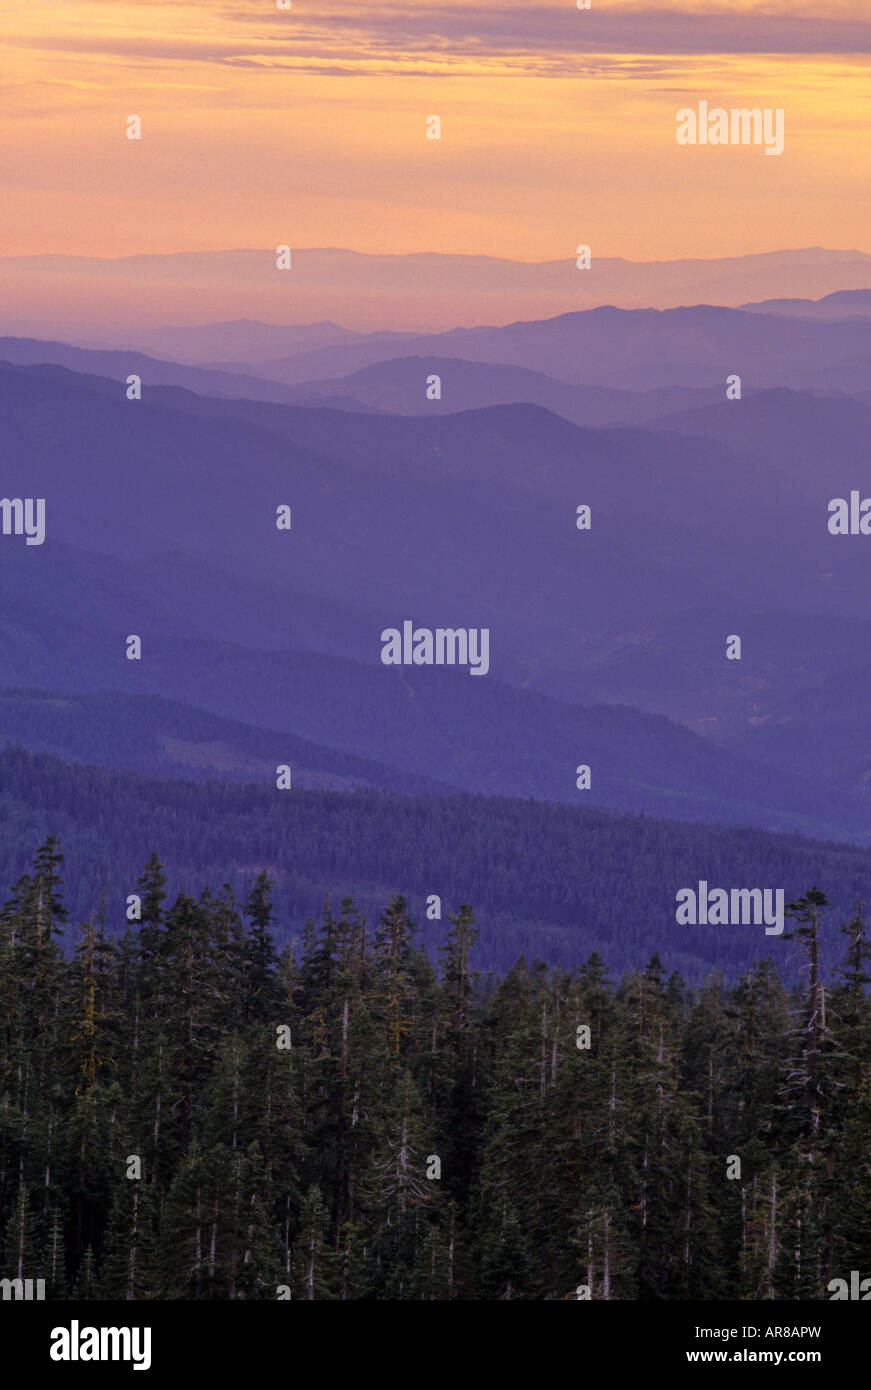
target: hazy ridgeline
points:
(185, 1114)
(609, 646)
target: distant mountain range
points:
(841, 304)
(119, 365)
(666, 355)
(44, 294)
(708, 519)
(627, 349)
(398, 386)
(340, 723)
(161, 521)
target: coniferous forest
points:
(185, 1113)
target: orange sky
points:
(262, 126)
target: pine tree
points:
(260, 957)
(398, 1191)
(21, 1260)
(392, 953)
(85, 1286)
(313, 1262)
(128, 1269)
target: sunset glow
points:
(308, 125)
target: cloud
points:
(479, 40)
(500, 29)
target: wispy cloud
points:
(476, 39)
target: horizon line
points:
(435, 255)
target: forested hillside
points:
(551, 881)
(186, 1115)
(167, 739)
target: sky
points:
(262, 126)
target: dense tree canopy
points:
(186, 1114)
